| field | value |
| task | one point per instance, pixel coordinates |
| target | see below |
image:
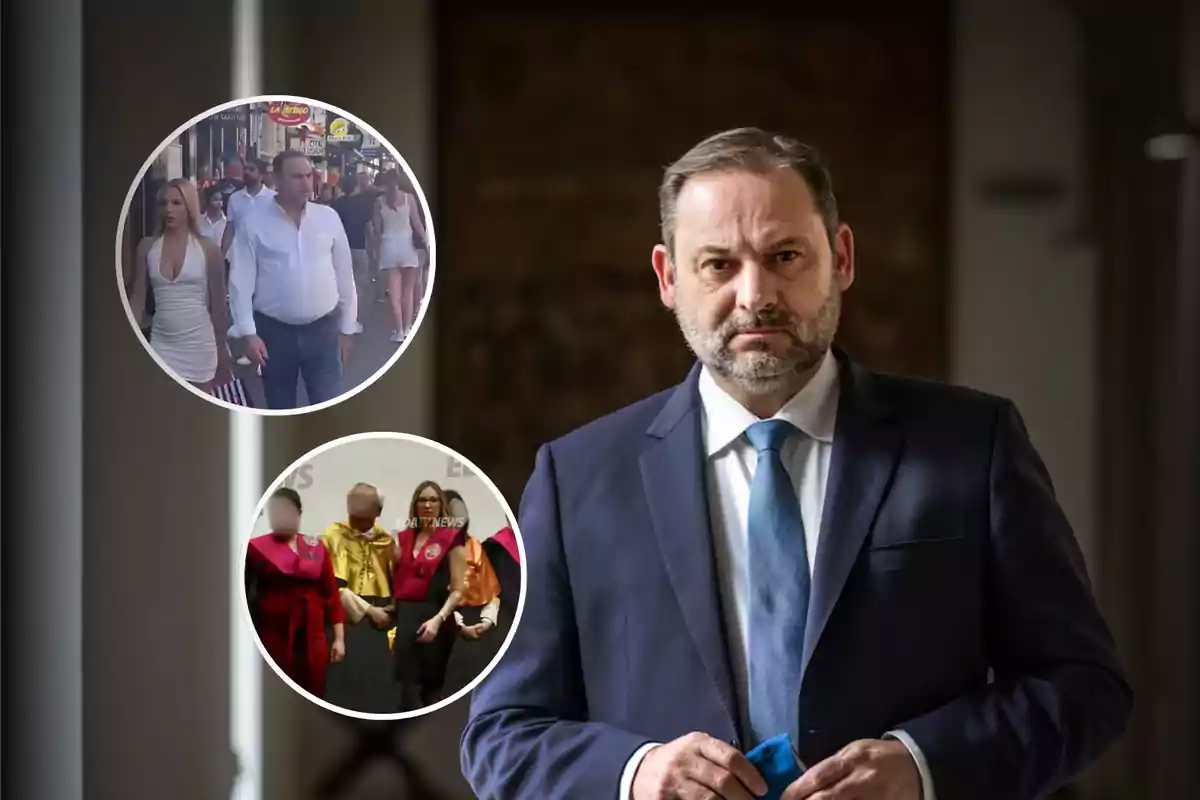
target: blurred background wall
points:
(555, 121)
(1026, 225)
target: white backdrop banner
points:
(397, 467)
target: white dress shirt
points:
(242, 202)
(731, 463)
(213, 229)
(293, 273)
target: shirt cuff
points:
(348, 314)
(491, 614)
(631, 768)
(918, 757)
(243, 329)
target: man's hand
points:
(337, 652)
(255, 349)
(696, 767)
(379, 617)
(870, 769)
(473, 632)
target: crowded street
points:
(275, 255)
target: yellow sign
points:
(341, 131)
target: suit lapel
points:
(866, 447)
(672, 467)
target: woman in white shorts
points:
(395, 221)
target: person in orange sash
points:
(431, 568)
(477, 613)
(292, 592)
(477, 616)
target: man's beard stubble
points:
(761, 371)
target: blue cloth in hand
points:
(776, 761)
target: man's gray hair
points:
(367, 488)
(753, 150)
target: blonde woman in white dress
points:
(186, 272)
(395, 221)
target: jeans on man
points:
(309, 352)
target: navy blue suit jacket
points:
(949, 600)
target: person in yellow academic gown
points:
(363, 556)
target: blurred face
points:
(174, 212)
(234, 171)
(362, 507)
(283, 516)
(754, 282)
(214, 204)
(269, 179)
(252, 176)
(295, 180)
(429, 505)
(458, 514)
(393, 193)
(363, 181)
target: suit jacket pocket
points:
(919, 555)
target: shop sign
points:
(239, 115)
(341, 131)
(289, 114)
(312, 146)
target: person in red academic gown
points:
(292, 592)
(430, 578)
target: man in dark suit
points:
(790, 543)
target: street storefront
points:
(336, 145)
(198, 154)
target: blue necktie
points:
(779, 583)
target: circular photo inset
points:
(383, 576)
(275, 254)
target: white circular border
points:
(412, 439)
(429, 229)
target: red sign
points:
(290, 114)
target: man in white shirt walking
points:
(292, 289)
(252, 195)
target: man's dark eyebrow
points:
(789, 241)
(718, 250)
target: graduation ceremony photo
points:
(383, 576)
